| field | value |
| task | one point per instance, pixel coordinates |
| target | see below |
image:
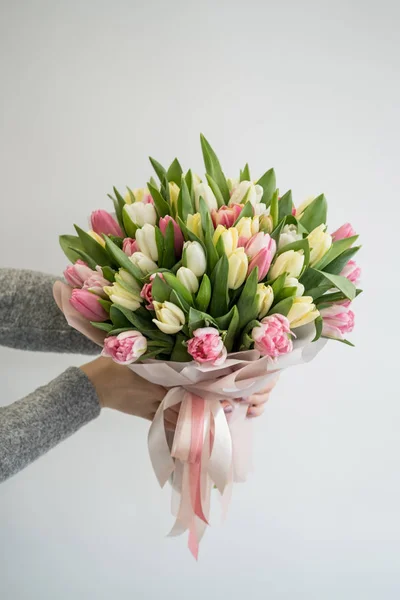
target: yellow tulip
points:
(238, 265)
(320, 241)
(290, 262)
(265, 297)
(303, 311)
(170, 318)
(97, 237)
(193, 223)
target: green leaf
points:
(129, 226)
(213, 168)
(205, 217)
(341, 283)
(160, 245)
(123, 260)
(211, 252)
(245, 174)
(217, 192)
(131, 195)
(318, 328)
(103, 326)
(93, 248)
(247, 211)
(176, 285)
(204, 294)
(168, 259)
(283, 307)
(285, 205)
(190, 184)
(336, 250)
(277, 231)
(248, 302)
(159, 169)
(278, 284)
(185, 206)
(160, 290)
(117, 317)
(268, 183)
(342, 341)
(106, 304)
(108, 273)
(286, 292)
(180, 353)
(232, 329)
(333, 297)
(178, 300)
(337, 265)
(315, 214)
(189, 235)
(68, 244)
(199, 318)
(152, 354)
(162, 207)
(174, 172)
(223, 321)
(220, 297)
(274, 208)
(87, 259)
(119, 206)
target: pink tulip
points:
(345, 231)
(226, 215)
(258, 242)
(88, 305)
(352, 272)
(272, 336)
(146, 291)
(77, 274)
(262, 260)
(96, 282)
(206, 346)
(338, 320)
(102, 222)
(178, 237)
(129, 246)
(125, 348)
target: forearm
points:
(37, 423)
(30, 318)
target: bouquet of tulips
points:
(208, 287)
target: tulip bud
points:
(303, 311)
(125, 348)
(145, 264)
(102, 222)
(193, 223)
(320, 242)
(129, 246)
(188, 279)
(77, 274)
(226, 215)
(300, 210)
(125, 291)
(140, 194)
(247, 227)
(247, 191)
(345, 231)
(128, 281)
(96, 283)
(290, 262)
(146, 240)
(170, 318)
(262, 260)
(203, 190)
(338, 320)
(178, 237)
(229, 238)
(97, 237)
(293, 282)
(266, 223)
(232, 183)
(259, 241)
(288, 236)
(352, 272)
(194, 258)
(141, 213)
(265, 296)
(238, 265)
(173, 193)
(88, 305)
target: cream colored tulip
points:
(290, 262)
(170, 318)
(265, 297)
(293, 282)
(203, 190)
(320, 241)
(303, 311)
(194, 258)
(247, 191)
(266, 223)
(127, 281)
(146, 240)
(173, 193)
(248, 226)
(97, 237)
(238, 265)
(141, 213)
(143, 262)
(288, 236)
(300, 210)
(194, 224)
(123, 293)
(141, 195)
(230, 238)
(188, 279)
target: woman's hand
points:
(256, 402)
(119, 388)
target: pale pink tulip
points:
(178, 237)
(352, 272)
(259, 241)
(125, 348)
(146, 291)
(206, 346)
(88, 305)
(226, 215)
(77, 274)
(338, 320)
(102, 222)
(345, 231)
(272, 336)
(129, 246)
(96, 282)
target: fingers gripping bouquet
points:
(208, 287)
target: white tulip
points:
(290, 262)
(145, 264)
(238, 265)
(288, 236)
(203, 190)
(293, 282)
(194, 258)
(146, 239)
(247, 190)
(141, 213)
(265, 297)
(188, 279)
(170, 318)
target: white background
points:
(90, 89)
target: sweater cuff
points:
(76, 397)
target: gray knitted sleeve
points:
(33, 425)
(30, 318)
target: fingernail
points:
(228, 409)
